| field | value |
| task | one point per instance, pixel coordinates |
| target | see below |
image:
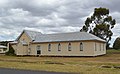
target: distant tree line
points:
(4, 43)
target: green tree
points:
(116, 44)
(100, 24)
(4, 43)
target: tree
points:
(4, 43)
(116, 44)
(100, 24)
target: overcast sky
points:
(51, 16)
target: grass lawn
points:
(82, 65)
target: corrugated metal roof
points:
(32, 34)
(14, 42)
(72, 36)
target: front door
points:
(38, 52)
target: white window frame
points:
(38, 48)
(59, 47)
(49, 47)
(81, 46)
(69, 47)
(103, 46)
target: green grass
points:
(82, 65)
(113, 51)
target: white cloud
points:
(33, 29)
(18, 12)
(50, 16)
(3, 3)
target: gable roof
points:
(38, 37)
(31, 34)
(72, 36)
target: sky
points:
(51, 16)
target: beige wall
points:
(14, 47)
(88, 49)
(25, 37)
(100, 48)
(21, 49)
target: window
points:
(29, 50)
(95, 47)
(59, 47)
(100, 46)
(49, 47)
(103, 46)
(69, 47)
(81, 47)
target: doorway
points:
(38, 50)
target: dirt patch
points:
(23, 61)
(51, 62)
(110, 66)
(106, 66)
(116, 67)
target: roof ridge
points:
(67, 37)
(64, 33)
(31, 31)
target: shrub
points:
(11, 51)
(116, 44)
